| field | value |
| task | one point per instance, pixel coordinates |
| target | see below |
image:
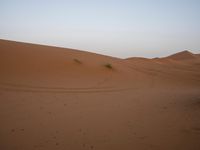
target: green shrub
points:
(77, 61)
(109, 66)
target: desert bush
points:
(77, 61)
(109, 66)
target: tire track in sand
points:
(29, 88)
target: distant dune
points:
(184, 55)
(58, 98)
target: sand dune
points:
(184, 55)
(59, 98)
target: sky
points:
(119, 28)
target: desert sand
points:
(63, 99)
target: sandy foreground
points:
(63, 99)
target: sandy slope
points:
(56, 98)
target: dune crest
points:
(184, 55)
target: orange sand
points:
(57, 98)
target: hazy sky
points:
(121, 28)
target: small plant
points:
(109, 66)
(77, 61)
